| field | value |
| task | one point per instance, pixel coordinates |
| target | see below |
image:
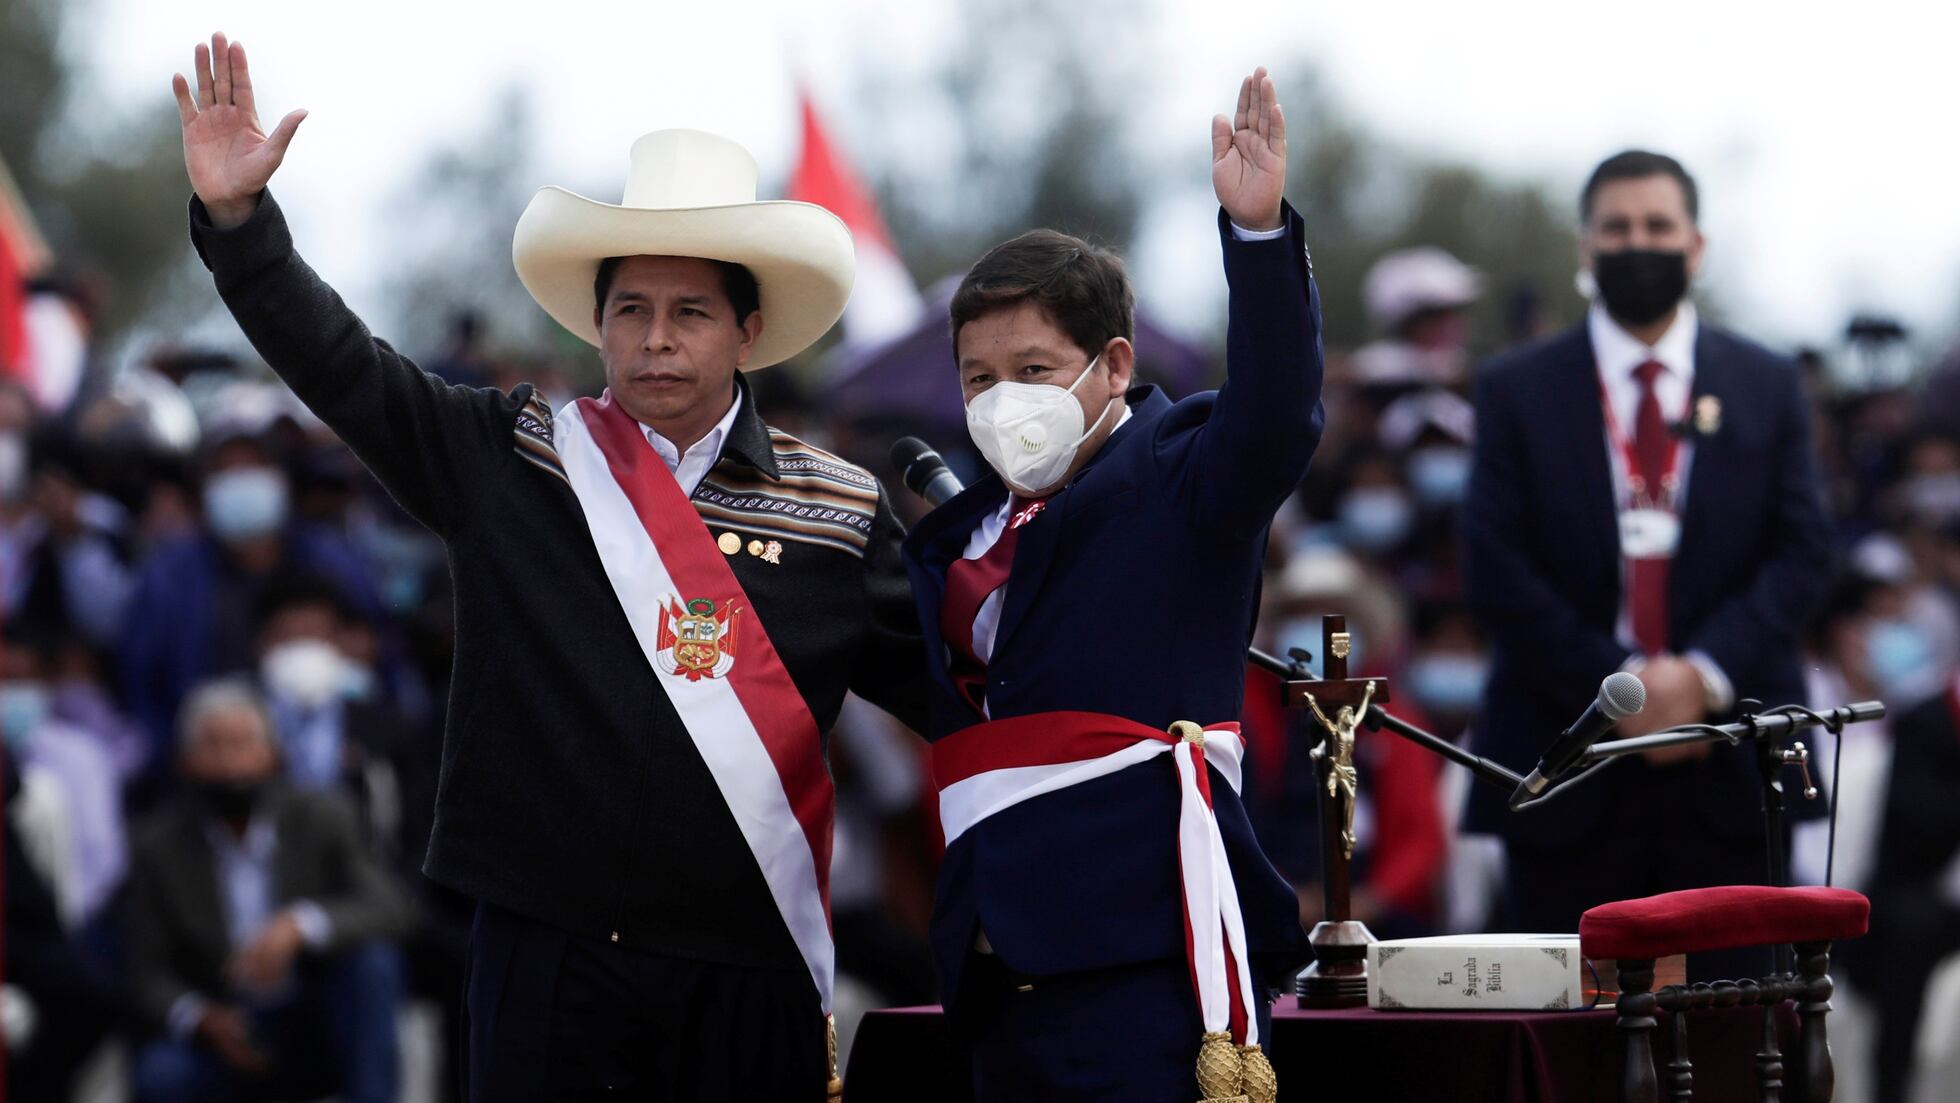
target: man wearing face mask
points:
(1644, 497)
(261, 932)
(194, 612)
(1094, 590)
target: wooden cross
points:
(1336, 707)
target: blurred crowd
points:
(225, 654)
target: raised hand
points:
(229, 156)
(1248, 156)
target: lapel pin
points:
(729, 543)
(1708, 415)
(772, 552)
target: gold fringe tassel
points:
(834, 1093)
(1234, 1074)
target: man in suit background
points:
(1643, 497)
(261, 927)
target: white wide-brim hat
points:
(691, 194)
(1422, 278)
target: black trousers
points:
(550, 1015)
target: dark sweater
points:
(570, 790)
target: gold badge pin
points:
(755, 547)
(729, 543)
(1708, 415)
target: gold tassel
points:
(834, 1092)
(1261, 1084)
(1221, 1071)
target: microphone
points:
(924, 471)
(1621, 695)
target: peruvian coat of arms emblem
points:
(696, 641)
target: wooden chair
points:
(1635, 932)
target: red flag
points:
(22, 254)
(884, 302)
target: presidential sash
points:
(713, 658)
(988, 768)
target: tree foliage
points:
(1035, 137)
(109, 195)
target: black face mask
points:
(231, 798)
(1639, 286)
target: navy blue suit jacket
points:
(1134, 593)
(1542, 559)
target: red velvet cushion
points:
(1719, 919)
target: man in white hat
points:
(660, 604)
(1417, 299)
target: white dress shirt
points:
(691, 468)
(1618, 353)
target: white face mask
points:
(309, 672)
(245, 502)
(1030, 432)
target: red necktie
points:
(969, 582)
(1653, 448)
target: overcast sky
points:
(1816, 130)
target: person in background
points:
(261, 930)
(1911, 640)
(1375, 516)
(1429, 433)
(1418, 299)
(57, 1003)
(462, 361)
(1447, 665)
(192, 616)
(1915, 886)
(335, 732)
(66, 551)
(86, 869)
(1643, 497)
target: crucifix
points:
(1338, 706)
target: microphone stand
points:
(1377, 720)
(1764, 727)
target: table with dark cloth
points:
(1461, 1057)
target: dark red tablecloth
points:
(1525, 1057)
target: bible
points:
(1497, 972)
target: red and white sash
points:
(740, 706)
(991, 767)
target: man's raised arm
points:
(420, 436)
(1253, 450)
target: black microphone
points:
(924, 471)
(1621, 695)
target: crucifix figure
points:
(1339, 975)
(1342, 780)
